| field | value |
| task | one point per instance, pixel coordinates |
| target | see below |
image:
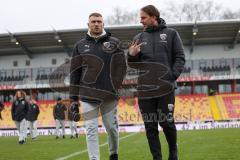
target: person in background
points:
(73, 108)
(1, 109)
(19, 113)
(59, 111)
(32, 116)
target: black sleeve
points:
(65, 108)
(13, 110)
(37, 108)
(26, 107)
(1, 106)
(136, 58)
(178, 56)
(54, 114)
(76, 108)
(75, 74)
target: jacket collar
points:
(20, 99)
(103, 33)
(161, 26)
(103, 36)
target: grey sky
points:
(38, 15)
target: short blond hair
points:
(95, 14)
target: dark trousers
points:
(159, 111)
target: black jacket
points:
(1, 108)
(98, 76)
(59, 111)
(19, 109)
(73, 108)
(33, 112)
(164, 45)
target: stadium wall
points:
(200, 52)
(38, 60)
(212, 52)
(189, 108)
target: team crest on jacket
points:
(163, 36)
(109, 47)
(107, 44)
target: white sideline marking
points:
(84, 151)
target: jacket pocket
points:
(168, 76)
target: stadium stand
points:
(213, 64)
(214, 107)
(188, 108)
(193, 108)
(216, 69)
(231, 104)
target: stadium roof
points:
(29, 43)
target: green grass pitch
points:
(218, 144)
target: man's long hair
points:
(23, 94)
(151, 10)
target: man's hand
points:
(135, 48)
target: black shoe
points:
(22, 142)
(173, 154)
(113, 157)
(72, 137)
(63, 137)
(57, 137)
(76, 135)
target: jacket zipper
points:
(153, 43)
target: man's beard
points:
(97, 33)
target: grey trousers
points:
(110, 122)
(22, 129)
(73, 127)
(33, 128)
(60, 123)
